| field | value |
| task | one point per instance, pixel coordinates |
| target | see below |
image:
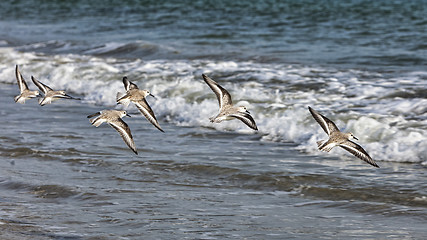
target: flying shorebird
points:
(25, 93)
(137, 96)
(114, 118)
(226, 109)
(338, 138)
(49, 94)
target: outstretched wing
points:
(66, 96)
(224, 98)
(358, 151)
(21, 81)
(146, 110)
(128, 84)
(44, 88)
(327, 125)
(246, 119)
(123, 129)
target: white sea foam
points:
(389, 128)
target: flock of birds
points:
(227, 111)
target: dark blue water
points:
(360, 63)
(362, 34)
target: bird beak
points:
(248, 112)
(128, 115)
(355, 138)
(153, 96)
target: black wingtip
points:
(158, 127)
(125, 80)
(93, 115)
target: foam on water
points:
(390, 128)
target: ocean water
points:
(360, 63)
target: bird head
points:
(243, 109)
(124, 113)
(147, 93)
(351, 136)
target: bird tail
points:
(44, 101)
(19, 99)
(324, 146)
(96, 121)
(120, 98)
(319, 143)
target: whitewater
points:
(387, 112)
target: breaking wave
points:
(387, 112)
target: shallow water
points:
(63, 178)
(360, 63)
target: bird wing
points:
(146, 110)
(246, 119)
(66, 96)
(44, 88)
(123, 129)
(224, 98)
(94, 115)
(327, 125)
(128, 84)
(20, 79)
(358, 151)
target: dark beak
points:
(153, 96)
(355, 138)
(128, 115)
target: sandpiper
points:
(49, 94)
(338, 138)
(226, 109)
(137, 96)
(114, 118)
(25, 93)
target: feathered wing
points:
(358, 151)
(66, 96)
(146, 110)
(123, 129)
(224, 98)
(21, 81)
(44, 88)
(246, 119)
(128, 84)
(327, 125)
